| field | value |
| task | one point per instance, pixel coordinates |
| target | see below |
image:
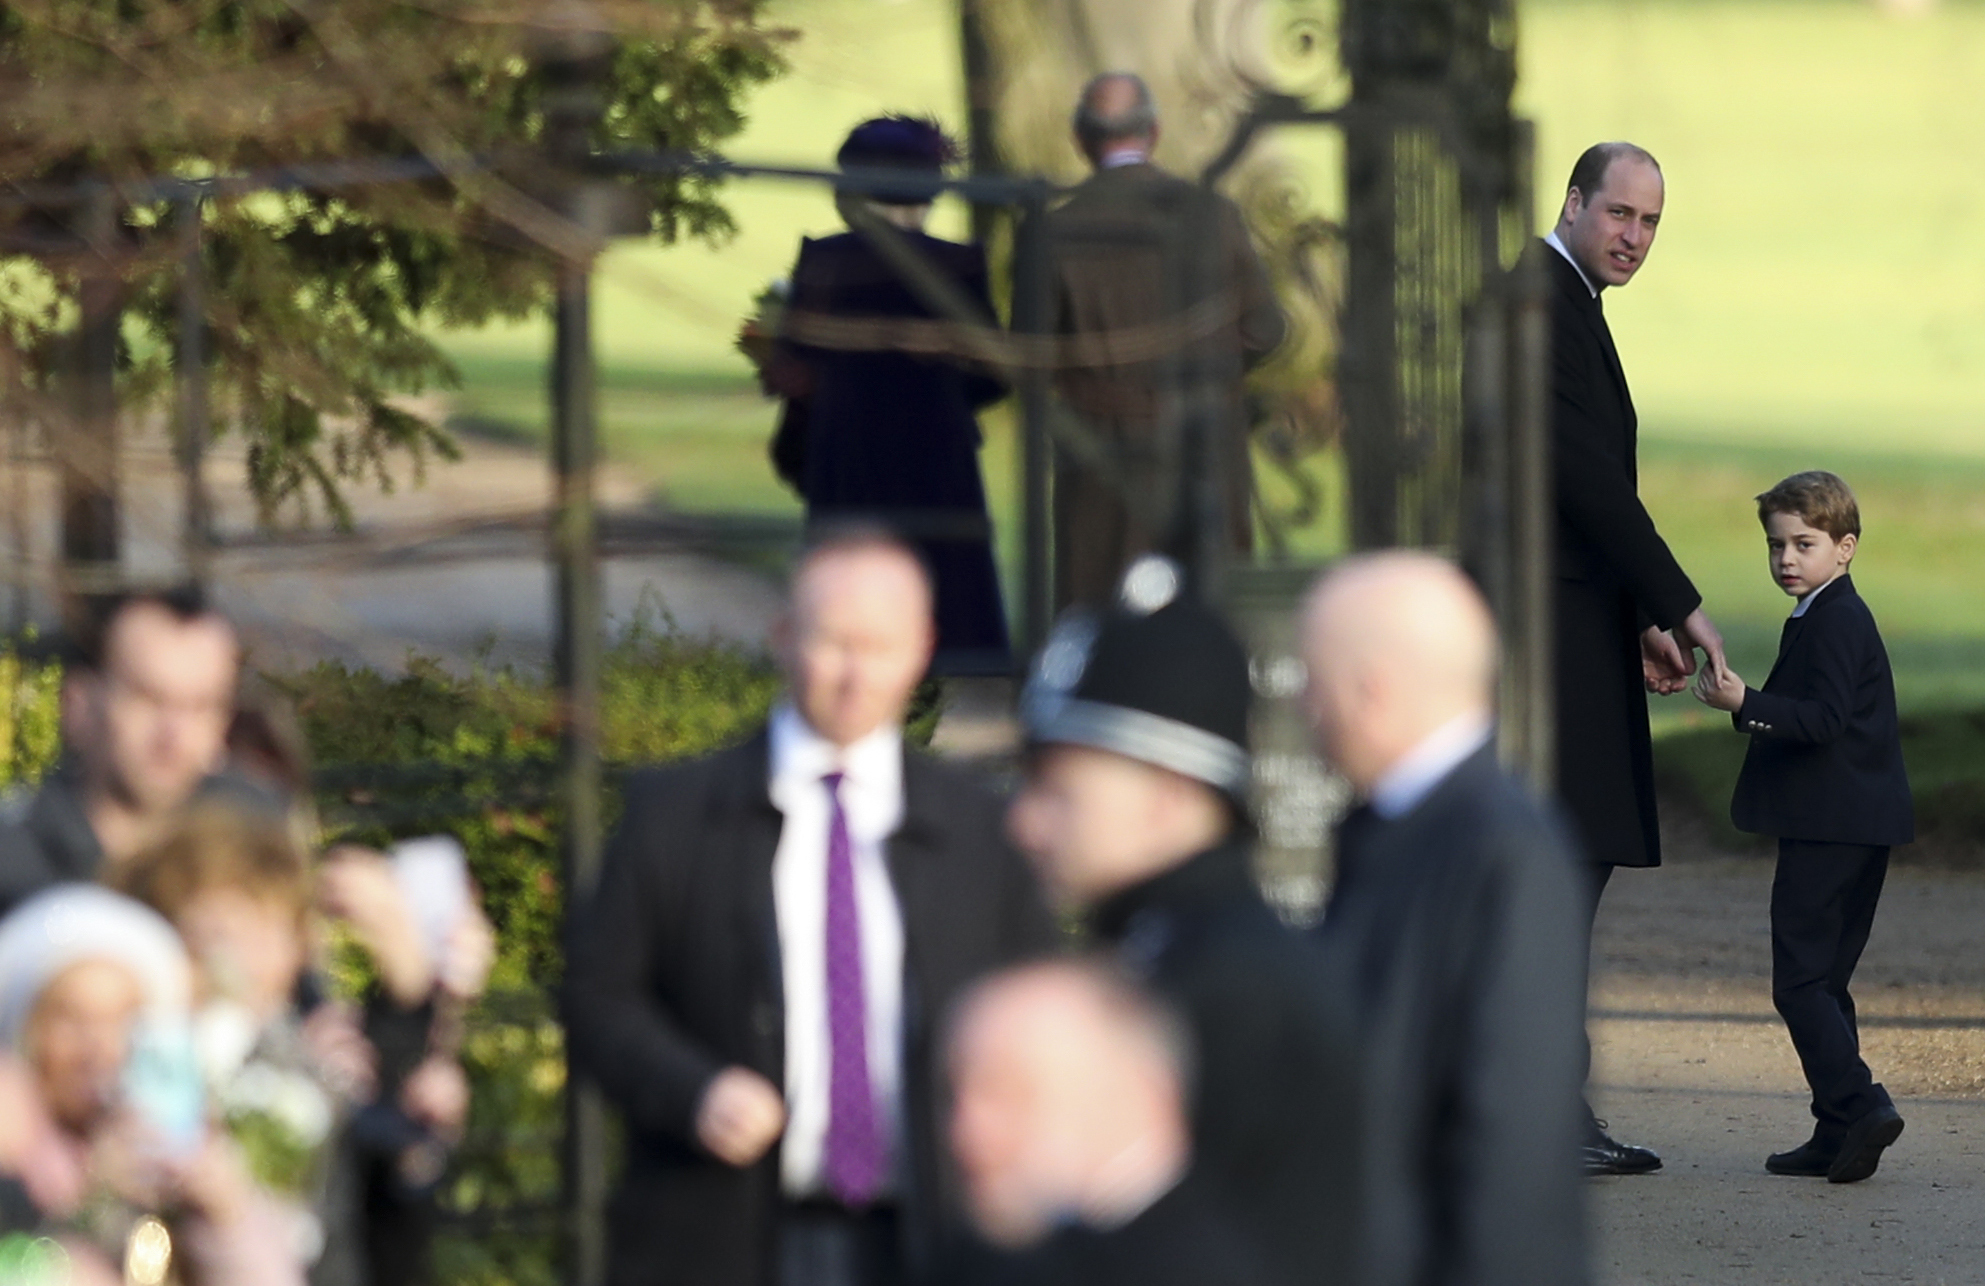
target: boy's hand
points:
(1720, 689)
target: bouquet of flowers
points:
(758, 337)
(269, 1098)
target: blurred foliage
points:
(30, 716)
(316, 298)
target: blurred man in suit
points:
(1158, 286)
(1134, 810)
(147, 692)
(1457, 916)
(1071, 1131)
(1628, 617)
(756, 979)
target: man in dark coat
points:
(1457, 915)
(1132, 810)
(147, 694)
(1120, 245)
(1071, 1130)
(756, 979)
(1628, 617)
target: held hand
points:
(1720, 691)
(739, 1117)
(1664, 667)
(356, 885)
(1699, 631)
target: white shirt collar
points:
(1551, 240)
(1415, 774)
(1807, 601)
(800, 757)
(1117, 158)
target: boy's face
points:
(1804, 558)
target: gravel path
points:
(1690, 1059)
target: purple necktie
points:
(852, 1160)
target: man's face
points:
(1086, 819)
(1611, 230)
(857, 641)
(78, 1038)
(153, 723)
(1803, 557)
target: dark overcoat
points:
(1615, 577)
(1825, 761)
(892, 435)
(1460, 926)
(1276, 1104)
(1116, 242)
(673, 973)
(1184, 1238)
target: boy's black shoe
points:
(1810, 1160)
(1861, 1150)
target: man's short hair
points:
(97, 615)
(856, 535)
(1588, 173)
(1817, 498)
(1098, 130)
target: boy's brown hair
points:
(1817, 498)
(220, 844)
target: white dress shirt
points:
(1415, 774)
(1551, 240)
(1807, 601)
(872, 799)
(1118, 157)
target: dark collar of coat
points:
(1206, 880)
(1368, 830)
(59, 820)
(925, 820)
(1570, 281)
(1841, 587)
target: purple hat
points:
(897, 142)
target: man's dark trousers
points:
(1822, 906)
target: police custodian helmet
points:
(1157, 677)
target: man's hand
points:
(739, 1117)
(1699, 631)
(1720, 690)
(1664, 667)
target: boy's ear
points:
(1848, 544)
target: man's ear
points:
(1574, 202)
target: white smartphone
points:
(433, 874)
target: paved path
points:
(1692, 1061)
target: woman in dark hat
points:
(880, 423)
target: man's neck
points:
(1555, 239)
(121, 828)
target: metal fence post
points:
(1030, 318)
(86, 451)
(197, 530)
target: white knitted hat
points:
(71, 923)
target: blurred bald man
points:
(1457, 916)
(1070, 1128)
(1119, 242)
(756, 981)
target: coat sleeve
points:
(1596, 495)
(1519, 1201)
(619, 1032)
(1262, 323)
(1819, 714)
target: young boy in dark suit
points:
(1824, 774)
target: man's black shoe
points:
(1604, 1154)
(1861, 1150)
(1810, 1160)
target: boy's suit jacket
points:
(672, 973)
(1825, 761)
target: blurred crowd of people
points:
(869, 1023)
(186, 1095)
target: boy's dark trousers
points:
(1822, 906)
